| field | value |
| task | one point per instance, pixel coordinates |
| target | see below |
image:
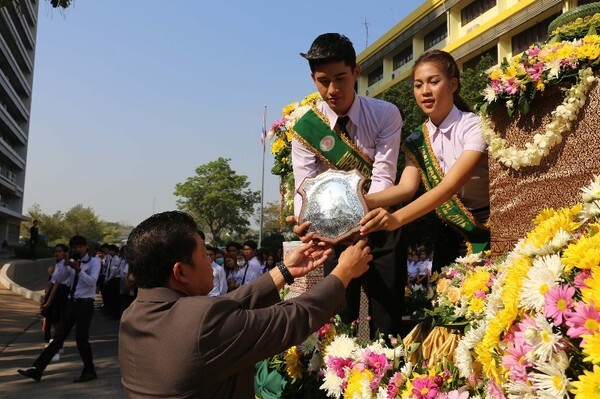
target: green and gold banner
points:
(330, 146)
(452, 211)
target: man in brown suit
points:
(175, 342)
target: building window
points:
(582, 2)
(537, 33)
(472, 63)
(403, 57)
(475, 9)
(375, 76)
(436, 36)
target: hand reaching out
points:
(307, 257)
(378, 219)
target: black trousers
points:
(383, 283)
(77, 313)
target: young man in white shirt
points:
(253, 266)
(84, 270)
(219, 277)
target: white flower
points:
(332, 384)
(489, 94)
(407, 369)
(545, 341)
(510, 104)
(462, 354)
(590, 210)
(342, 346)
(550, 381)
(560, 240)
(540, 279)
(469, 259)
(592, 192)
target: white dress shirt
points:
(88, 275)
(252, 270)
(219, 280)
(461, 131)
(59, 272)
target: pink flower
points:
(533, 52)
(425, 388)
(581, 277)
(535, 71)
(515, 359)
(558, 302)
(338, 364)
(583, 320)
(456, 394)
(479, 294)
(494, 391)
(393, 387)
(377, 362)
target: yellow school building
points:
(467, 29)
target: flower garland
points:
(562, 118)
(514, 84)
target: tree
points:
(218, 199)
(271, 220)
(61, 226)
(473, 81)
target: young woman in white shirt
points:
(452, 136)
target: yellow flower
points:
(592, 292)
(565, 218)
(477, 305)
(588, 385)
(545, 214)
(591, 348)
(454, 294)
(356, 382)
(293, 366)
(277, 145)
(442, 285)
(476, 282)
(583, 254)
(288, 109)
(311, 99)
(289, 135)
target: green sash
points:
(330, 146)
(452, 211)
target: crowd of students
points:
(238, 264)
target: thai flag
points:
(263, 136)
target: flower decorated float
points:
(540, 121)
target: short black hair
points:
(234, 244)
(77, 240)
(250, 243)
(330, 47)
(62, 246)
(211, 248)
(156, 244)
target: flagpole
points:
(262, 188)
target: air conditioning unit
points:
(368, 91)
(393, 75)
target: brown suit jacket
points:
(174, 346)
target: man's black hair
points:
(63, 247)
(113, 247)
(250, 243)
(234, 244)
(77, 240)
(156, 244)
(330, 47)
(211, 248)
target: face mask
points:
(219, 261)
(241, 262)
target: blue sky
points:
(129, 97)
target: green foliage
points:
(271, 220)
(473, 82)
(218, 199)
(61, 226)
(41, 252)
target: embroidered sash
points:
(452, 211)
(331, 146)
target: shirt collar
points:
(158, 294)
(353, 113)
(447, 124)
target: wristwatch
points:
(285, 272)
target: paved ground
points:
(21, 341)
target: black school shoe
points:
(85, 377)
(32, 373)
